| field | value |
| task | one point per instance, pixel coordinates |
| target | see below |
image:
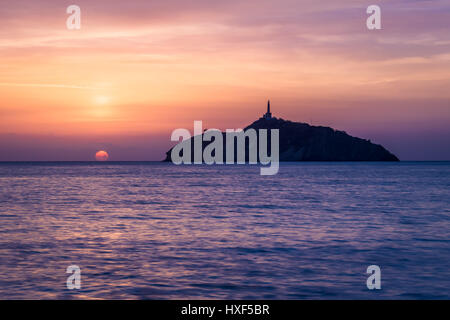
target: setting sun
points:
(101, 155)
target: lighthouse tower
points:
(268, 115)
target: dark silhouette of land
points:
(303, 142)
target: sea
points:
(152, 230)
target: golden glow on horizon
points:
(102, 100)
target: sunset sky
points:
(139, 69)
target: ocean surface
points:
(160, 231)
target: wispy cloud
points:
(47, 85)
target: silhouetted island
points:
(303, 142)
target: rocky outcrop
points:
(303, 142)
